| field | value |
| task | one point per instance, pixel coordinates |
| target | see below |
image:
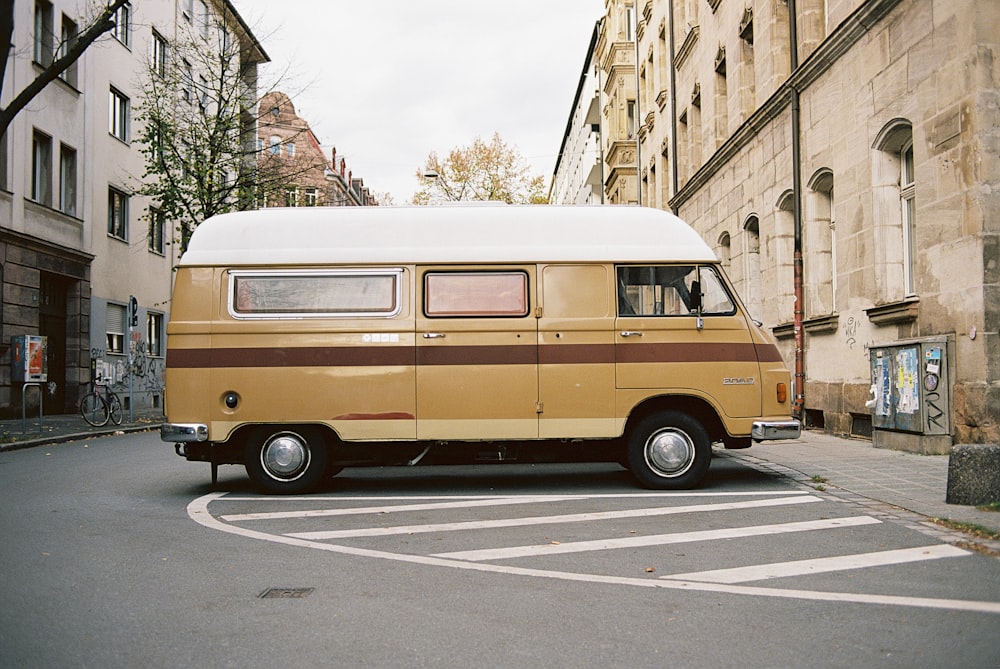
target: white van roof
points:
(444, 234)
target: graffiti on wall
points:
(144, 372)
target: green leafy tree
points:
(63, 55)
(480, 171)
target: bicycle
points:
(97, 409)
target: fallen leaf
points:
(650, 570)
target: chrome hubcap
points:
(669, 452)
(285, 456)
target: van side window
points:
(314, 294)
(671, 290)
(475, 294)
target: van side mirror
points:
(695, 297)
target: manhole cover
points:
(286, 593)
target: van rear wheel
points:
(669, 451)
(287, 461)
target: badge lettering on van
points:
(739, 381)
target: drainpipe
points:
(798, 407)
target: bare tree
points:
(198, 114)
(63, 55)
(480, 171)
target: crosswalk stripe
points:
(361, 510)
(821, 565)
(656, 539)
(549, 520)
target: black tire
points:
(115, 411)
(669, 451)
(287, 461)
(94, 409)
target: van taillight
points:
(782, 393)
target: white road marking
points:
(198, 511)
(761, 572)
(657, 539)
(359, 510)
(546, 520)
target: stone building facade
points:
(852, 143)
(293, 167)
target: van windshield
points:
(672, 290)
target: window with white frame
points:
(275, 143)
(312, 197)
(154, 334)
(123, 24)
(41, 168)
(907, 190)
(894, 212)
(118, 214)
(158, 54)
(290, 149)
(67, 180)
(118, 115)
(115, 328)
(44, 38)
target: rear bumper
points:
(766, 430)
(182, 433)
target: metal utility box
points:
(911, 388)
(28, 359)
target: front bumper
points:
(766, 430)
(182, 433)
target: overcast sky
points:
(389, 81)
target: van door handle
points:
(433, 335)
(630, 333)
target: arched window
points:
(725, 250)
(819, 246)
(894, 212)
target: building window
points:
(312, 197)
(115, 328)
(118, 115)
(275, 145)
(67, 180)
(894, 212)
(819, 243)
(117, 214)
(41, 168)
(158, 55)
(292, 197)
(187, 81)
(3, 161)
(43, 33)
(907, 189)
(123, 24)
(157, 223)
(290, 149)
(154, 334)
(753, 284)
(205, 19)
(68, 39)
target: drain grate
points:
(286, 593)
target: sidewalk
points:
(849, 467)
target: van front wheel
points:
(669, 451)
(287, 461)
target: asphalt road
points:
(116, 553)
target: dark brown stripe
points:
(386, 356)
(325, 356)
(653, 353)
(477, 355)
(576, 354)
(768, 353)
